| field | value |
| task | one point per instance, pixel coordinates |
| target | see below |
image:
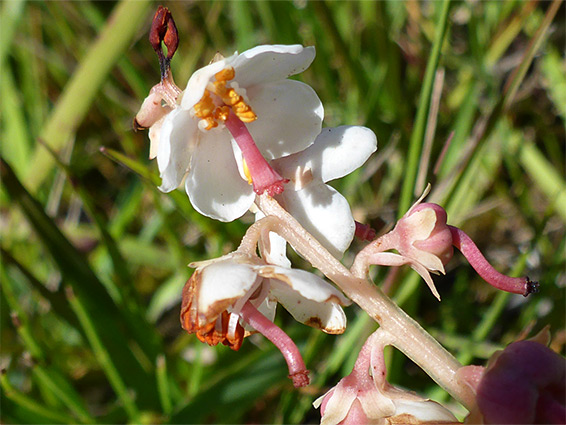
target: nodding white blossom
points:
(243, 107)
(318, 207)
(218, 289)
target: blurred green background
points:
(94, 256)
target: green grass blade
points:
(109, 323)
(19, 402)
(103, 356)
(86, 82)
(417, 137)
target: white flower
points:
(218, 289)
(193, 139)
(321, 209)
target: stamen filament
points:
(264, 178)
(297, 369)
(515, 285)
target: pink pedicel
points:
(297, 369)
(264, 178)
(515, 285)
(364, 232)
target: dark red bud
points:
(163, 29)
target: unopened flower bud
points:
(438, 242)
(523, 384)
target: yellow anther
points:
(244, 112)
(211, 123)
(220, 88)
(225, 75)
(221, 113)
(205, 106)
(231, 97)
(247, 172)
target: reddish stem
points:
(364, 232)
(264, 178)
(516, 285)
(297, 369)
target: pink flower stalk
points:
(263, 177)
(365, 397)
(297, 369)
(523, 384)
(425, 241)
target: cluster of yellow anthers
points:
(211, 113)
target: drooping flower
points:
(523, 384)
(365, 396)
(320, 208)
(224, 292)
(240, 107)
(425, 241)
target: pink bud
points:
(439, 241)
(523, 384)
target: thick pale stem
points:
(264, 178)
(297, 370)
(406, 334)
(376, 342)
(516, 285)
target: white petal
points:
(419, 225)
(328, 317)
(154, 137)
(388, 259)
(177, 140)
(213, 184)
(306, 284)
(271, 63)
(339, 404)
(335, 153)
(324, 213)
(427, 278)
(289, 117)
(425, 411)
(376, 405)
(224, 283)
(427, 259)
(277, 251)
(198, 81)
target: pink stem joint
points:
(262, 176)
(297, 369)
